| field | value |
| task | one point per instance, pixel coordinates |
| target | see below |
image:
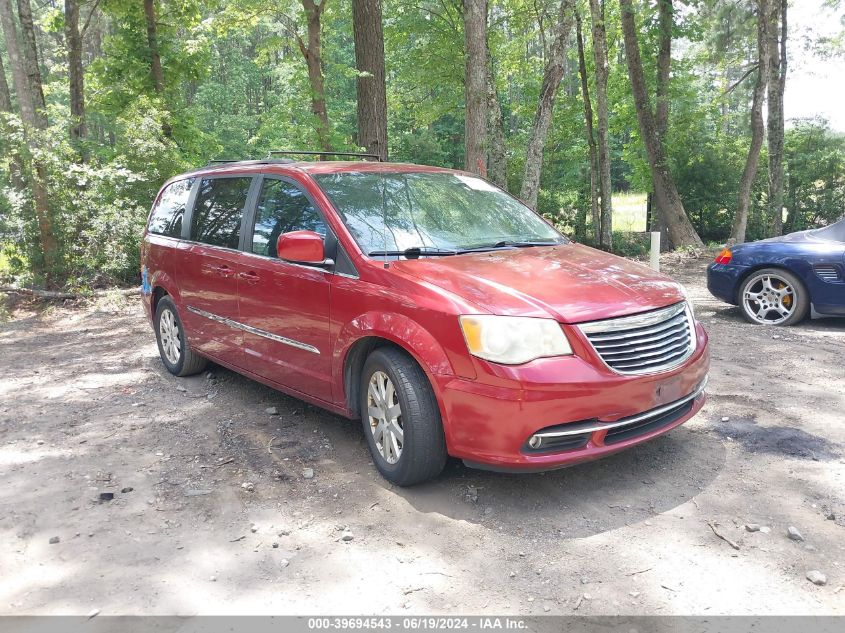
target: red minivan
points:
(441, 311)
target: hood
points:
(570, 282)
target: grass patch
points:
(629, 212)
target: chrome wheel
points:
(385, 417)
(171, 343)
(769, 299)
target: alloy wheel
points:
(171, 343)
(769, 299)
(385, 417)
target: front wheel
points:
(176, 354)
(773, 297)
(401, 418)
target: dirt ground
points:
(212, 513)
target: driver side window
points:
(282, 207)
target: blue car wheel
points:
(773, 296)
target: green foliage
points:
(815, 172)
(98, 207)
(635, 245)
(236, 86)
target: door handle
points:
(224, 271)
(250, 277)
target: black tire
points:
(423, 451)
(188, 362)
(801, 297)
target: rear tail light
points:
(724, 257)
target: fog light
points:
(535, 441)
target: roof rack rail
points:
(251, 161)
(323, 154)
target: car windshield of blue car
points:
(432, 214)
(835, 232)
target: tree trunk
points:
(670, 207)
(156, 72)
(27, 80)
(664, 66)
(793, 212)
(591, 138)
(19, 77)
(15, 172)
(76, 79)
(371, 91)
(776, 53)
(757, 131)
(5, 95)
(30, 57)
(665, 20)
(313, 54)
(475, 85)
(605, 226)
(552, 76)
(152, 42)
(497, 156)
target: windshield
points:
(835, 232)
(437, 213)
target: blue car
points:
(780, 280)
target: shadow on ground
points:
(578, 501)
(776, 440)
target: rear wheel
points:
(176, 354)
(773, 297)
(401, 419)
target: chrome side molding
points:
(254, 330)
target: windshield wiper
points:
(414, 252)
(509, 244)
(524, 244)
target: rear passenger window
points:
(282, 207)
(218, 211)
(166, 218)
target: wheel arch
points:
(156, 295)
(774, 265)
(359, 337)
(162, 284)
(353, 364)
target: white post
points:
(655, 250)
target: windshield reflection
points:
(390, 213)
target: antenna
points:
(323, 154)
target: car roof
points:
(337, 167)
(310, 167)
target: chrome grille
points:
(644, 343)
(827, 272)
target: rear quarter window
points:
(166, 216)
(218, 211)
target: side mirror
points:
(305, 247)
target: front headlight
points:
(513, 340)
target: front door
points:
(284, 306)
(208, 271)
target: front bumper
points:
(588, 409)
